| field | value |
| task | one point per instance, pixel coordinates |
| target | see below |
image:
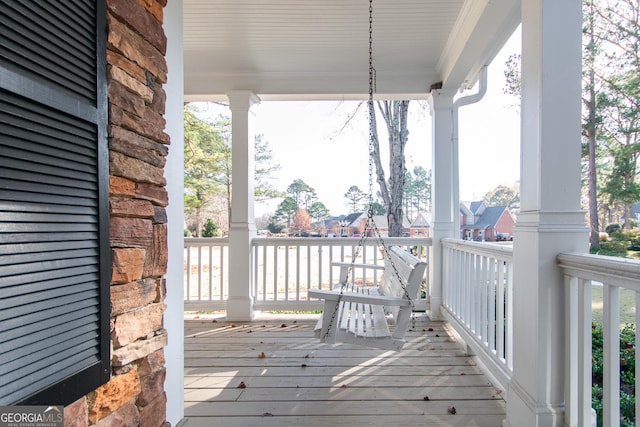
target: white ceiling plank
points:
(313, 48)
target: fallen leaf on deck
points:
(304, 365)
(242, 385)
(430, 329)
(452, 410)
(283, 326)
(267, 414)
(426, 398)
(262, 355)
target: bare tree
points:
(395, 114)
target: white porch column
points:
(174, 173)
(550, 220)
(242, 228)
(445, 214)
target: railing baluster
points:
(508, 319)
(309, 268)
(500, 318)
(637, 353)
(491, 315)
(199, 273)
(265, 260)
(585, 352)
(188, 292)
(573, 371)
(211, 272)
(611, 370)
(484, 308)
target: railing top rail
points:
(205, 241)
(610, 270)
(482, 248)
(339, 241)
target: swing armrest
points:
(344, 268)
(348, 264)
(358, 298)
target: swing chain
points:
(370, 224)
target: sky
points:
(310, 141)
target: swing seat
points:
(372, 316)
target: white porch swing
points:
(372, 316)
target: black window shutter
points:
(55, 262)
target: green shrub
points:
(210, 229)
(614, 247)
(627, 373)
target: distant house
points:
(327, 227)
(383, 225)
(419, 227)
(353, 225)
(485, 224)
(635, 212)
(340, 226)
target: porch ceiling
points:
(306, 49)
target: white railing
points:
(478, 303)
(283, 269)
(206, 277)
(581, 272)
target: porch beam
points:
(550, 220)
(442, 194)
(242, 227)
(174, 173)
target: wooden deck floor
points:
(274, 372)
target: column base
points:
(240, 309)
(523, 411)
(434, 308)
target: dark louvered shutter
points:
(54, 241)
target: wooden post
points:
(174, 172)
(550, 220)
(444, 213)
(242, 228)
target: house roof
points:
(475, 206)
(488, 219)
(464, 209)
(302, 49)
(420, 221)
(381, 221)
(351, 218)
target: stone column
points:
(445, 214)
(174, 172)
(550, 220)
(242, 228)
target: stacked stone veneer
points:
(138, 148)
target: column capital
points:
(441, 99)
(242, 99)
